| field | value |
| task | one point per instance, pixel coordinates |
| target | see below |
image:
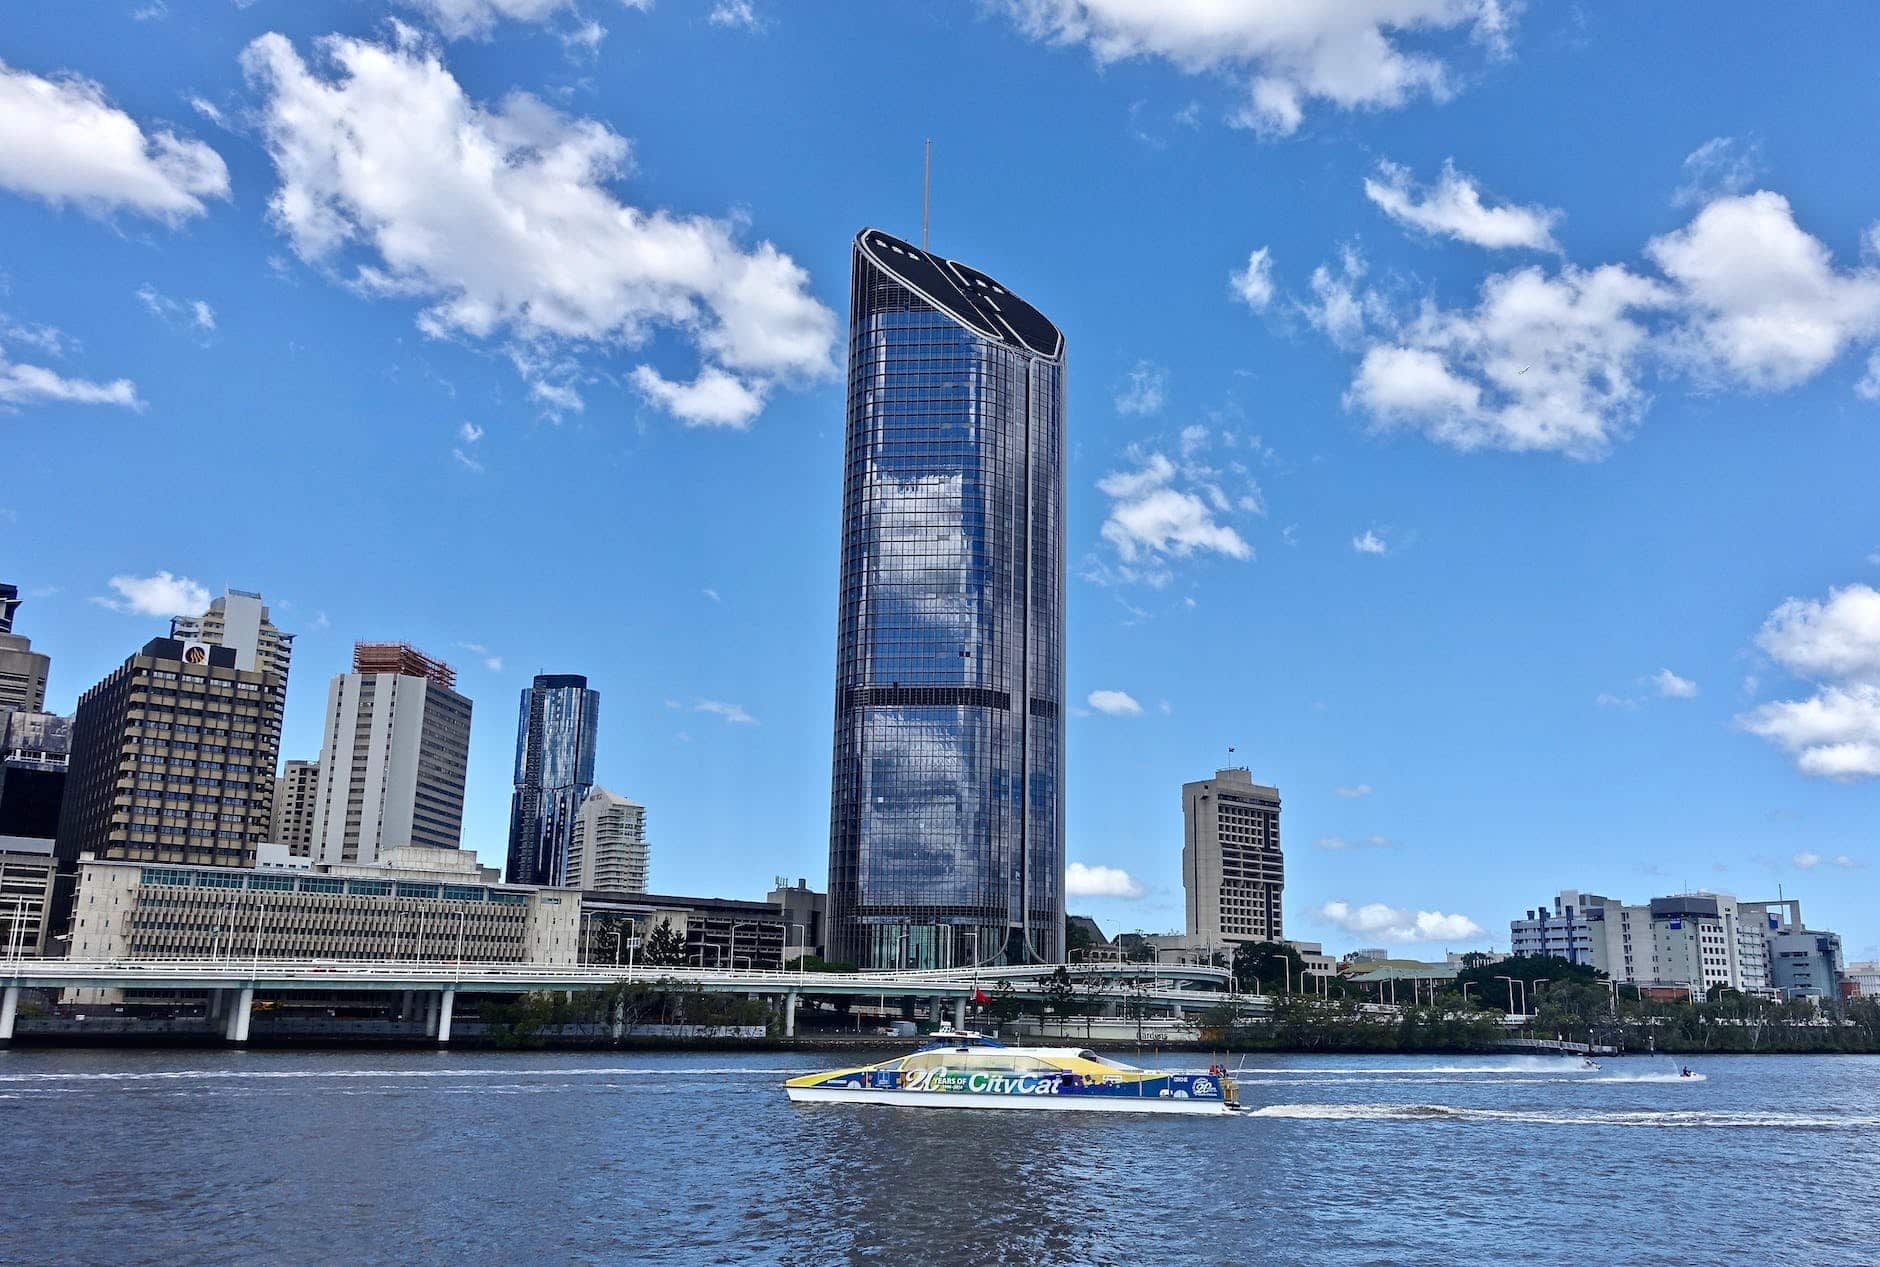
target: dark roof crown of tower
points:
(969, 296)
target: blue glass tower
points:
(554, 773)
(946, 834)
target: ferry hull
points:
(970, 1100)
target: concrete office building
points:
(239, 620)
(1232, 868)
(946, 830)
(805, 916)
(420, 904)
(35, 756)
(716, 931)
(607, 849)
(393, 761)
(23, 671)
(555, 731)
(1864, 976)
(296, 807)
(172, 760)
(1805, 963)
(27, 868)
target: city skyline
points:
(1556, 629)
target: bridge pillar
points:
(935, 1011)
(789, 1015)
(239, 1014)
(430, 1014)
(404, 1005)
(9, 1010)
(959, 1014)
(447, 1000)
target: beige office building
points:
(296, 801)
(239, 619)
(1232, 867)
(22, 670)
(608, 849)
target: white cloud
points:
(22, 384)
(1764, 304)
(1453, 207)
(1253, 285)
(1338, 844)
(458, 19)
(192, 316)
(732, 713)
(1142, 390)
(469, 432)
(162, 594)
(1088, 881)
(1357, 790)
(1834, 643)
(1151, 520)
(63, 141)
(1835, 638)
(1842, 860)
(1393, 924)
(1719, 167)
(1807, 861)
(494, 663)
(712, 594)
(1868, 385)
(1606, 699)
(502, 220)
(473, 465)
(1114, 703)
(1370, 542)
(1290, 55)
(1671, 686)
(741, 14)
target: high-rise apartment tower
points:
(555, 728)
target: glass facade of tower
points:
(555, 732)
(946, 839)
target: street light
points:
(1512, 982)
(1288, 962)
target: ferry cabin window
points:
(992, 1061)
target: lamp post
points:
(1288, 962)
(1512, 982)
(1466, 987)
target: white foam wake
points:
(179, 1075)
(1712, 1119)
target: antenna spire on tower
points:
(926, 190)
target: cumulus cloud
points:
(460, 19)
(62, 140)
(1081, 880)
(501, 220)
(740, 14)
(1370, 541)
(1454, 208)
(732, 713)
(1287, 56)
(22, 384)
(1834, 643)
(1162, 510)
(1142, 390)
(1380, 922)
(1253, 285)
(1671, 686)
(1807, 861)
(1556, 361)
(1114, 703)
(161, 594)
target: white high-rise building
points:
(239, 619)
(393, 761)
(608, 850)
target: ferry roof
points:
(974, 299)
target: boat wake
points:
(186, 1075)
(1688, 1119)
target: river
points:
(183, 1157)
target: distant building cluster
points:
(1689, 941)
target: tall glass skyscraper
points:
(946, 835)
(554, 773)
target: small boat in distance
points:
(965, 1070)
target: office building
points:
(805, 917)
(26, 880)
(555, 729)
(946, 838)
(296, 807)
(23, 671)
(1232, 868)
(392, 764)
(607, 849)
(240, 620)
(417, 903)
(1805, 963)
(35, 753)
(1864, 976)
(714, 931)
(172, 760)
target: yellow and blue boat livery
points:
(971, 1071)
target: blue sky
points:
(1473, 418)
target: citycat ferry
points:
(958, 1070)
